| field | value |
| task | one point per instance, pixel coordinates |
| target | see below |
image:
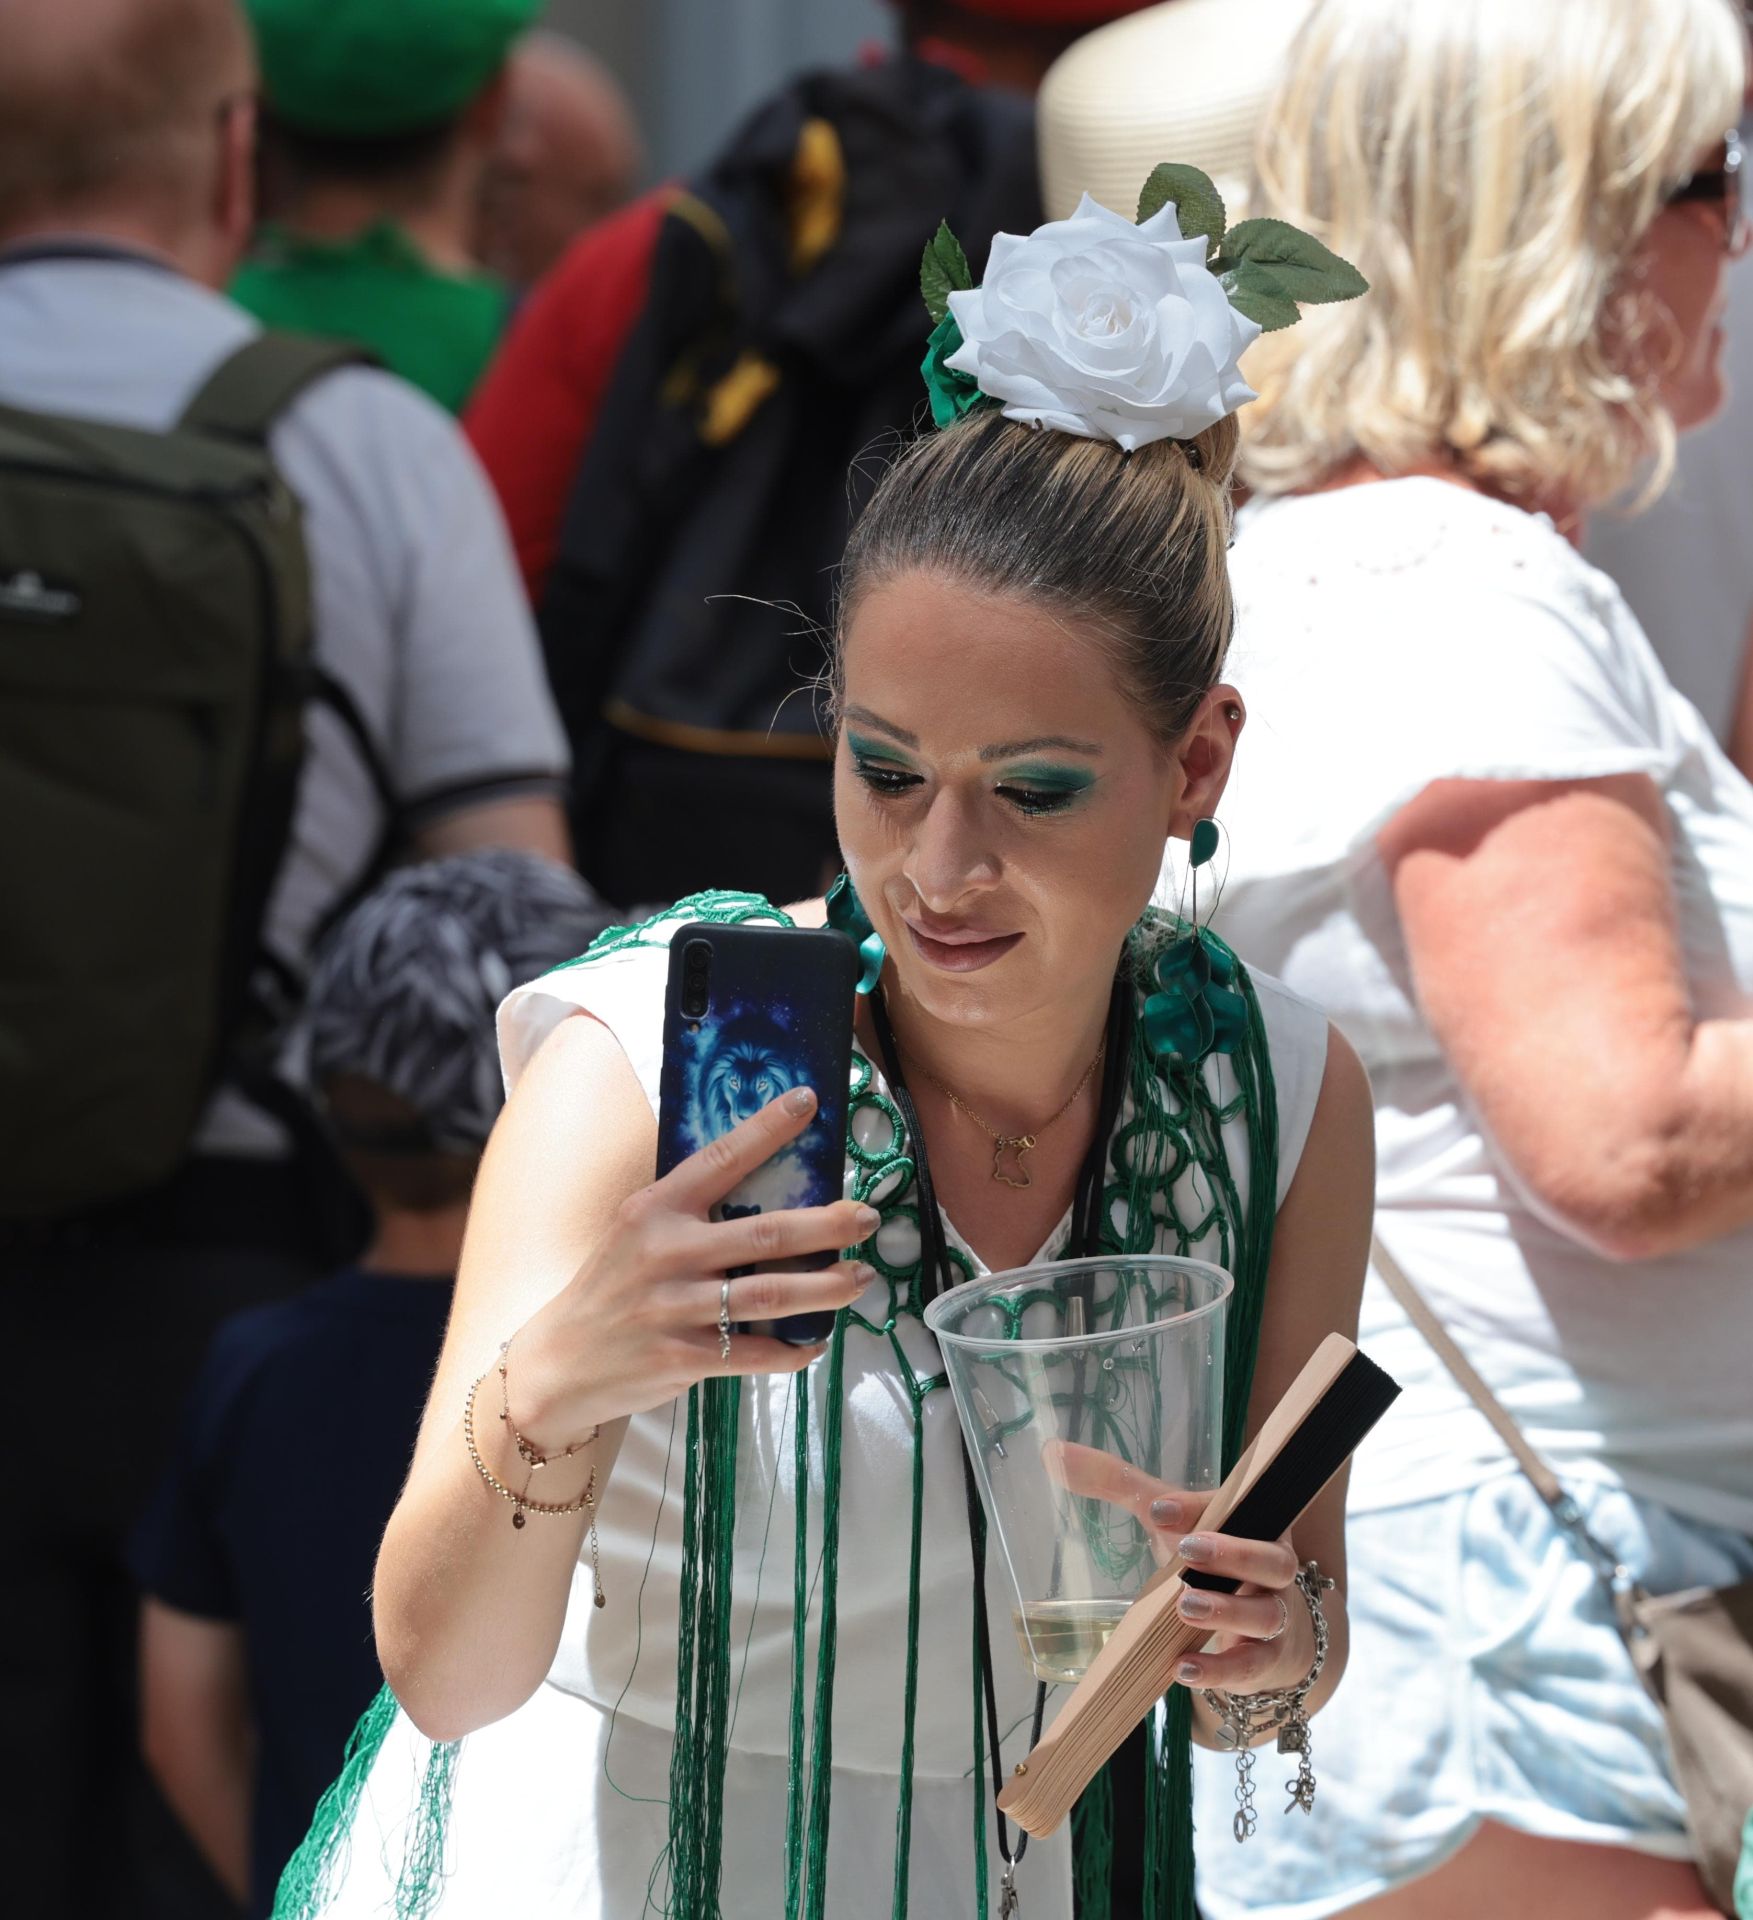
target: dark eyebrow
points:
(866, 718)
(1004, 750)
(1009, 749)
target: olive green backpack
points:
(154, 671)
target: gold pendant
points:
(1017, 1144)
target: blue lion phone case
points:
(749, 1013)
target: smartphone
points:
(750, 1013)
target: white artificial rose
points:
(1106, 329)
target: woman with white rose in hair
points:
(1035, 613)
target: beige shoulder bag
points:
(1693, 1651)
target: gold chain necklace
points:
(1016, 1144)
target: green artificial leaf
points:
(1259, 295)
(1198, 204)
(1300, 266)
(943, 270)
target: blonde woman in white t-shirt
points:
(1475, 822)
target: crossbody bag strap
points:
(1607, 1565)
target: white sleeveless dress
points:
(560, 1809)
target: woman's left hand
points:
(1264, 1637)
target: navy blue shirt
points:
(294, 1447)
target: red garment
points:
(533, 413)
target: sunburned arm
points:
(1540, 922)
(1320, 1250)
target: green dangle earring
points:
(1196, 1009)
(846, 915)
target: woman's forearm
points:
(1640, 1162)
(1653, 1157)
(1689, 1168)
(469, 1607)
(606, 1293)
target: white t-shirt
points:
(419, 610)
(1395, 634)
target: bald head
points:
(114, 108)
(568, 153)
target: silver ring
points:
(1277, 1632)
(724, 1336)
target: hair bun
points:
(1214, 453)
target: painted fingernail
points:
(1188, 1671)
(1165, 1513)
(799, 1100)
(1196, 1546)
(1198, 1606)
(868, 1219)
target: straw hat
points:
(1187, 81)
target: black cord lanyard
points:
(935, 1269)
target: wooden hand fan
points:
(1308, 1437)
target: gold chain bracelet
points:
(521, 1503)
(527, 1451)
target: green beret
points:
(358, 68)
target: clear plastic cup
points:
(1086, 1390)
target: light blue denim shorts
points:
(1486, 1682)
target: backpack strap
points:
(249, 390)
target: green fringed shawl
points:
(1174, 1124)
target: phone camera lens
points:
(696, 975)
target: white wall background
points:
(695, 67)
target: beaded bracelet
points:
(521, 1503)
(527, 1451)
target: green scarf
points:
(1176, 1123)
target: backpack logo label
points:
(26, 595)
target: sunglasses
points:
(1720, 187)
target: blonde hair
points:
(1133, 544)
(1491, 166)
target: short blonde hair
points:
(1491, 166)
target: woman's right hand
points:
(637, 1324)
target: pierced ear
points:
(1207, 753)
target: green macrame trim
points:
(309, 1877)
(1176, 1122)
